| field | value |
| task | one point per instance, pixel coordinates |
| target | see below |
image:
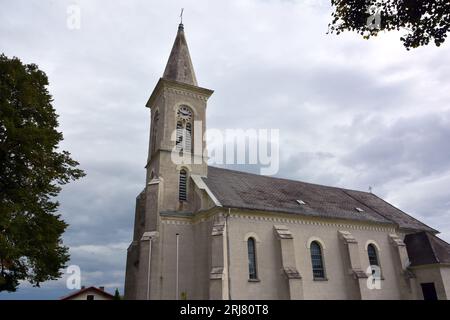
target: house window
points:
(252, 275)
(90, 297)
(317, 260)
(182, 192)
(373, 256)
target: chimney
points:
(102, 288)
(82, 287)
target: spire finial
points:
(181, 17)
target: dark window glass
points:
(317, 261)
(373, 257)
(251, 259)
(90, 297)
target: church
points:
(202, 232)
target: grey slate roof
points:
(236, 189)
(425, 248)
(179, 66)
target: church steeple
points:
(179, 66)
(178, 122)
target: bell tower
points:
(177, 149)
(176, 157)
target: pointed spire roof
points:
(179, 66)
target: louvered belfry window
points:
(187, 138)
(184, 130)
(179, 138)
(182, 192)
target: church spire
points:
(179, 66)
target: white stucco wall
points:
(339, 285)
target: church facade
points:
(203, 232)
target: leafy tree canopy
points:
(32, 170)
(421, 20)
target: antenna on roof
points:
(370, 189)
(181, 16)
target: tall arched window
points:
(251, 247)
(184, 129)
(154, 131)
(182, 191)
(317, 260)
(373, 256)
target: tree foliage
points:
(32, 170)
(117, 295)
(421, 21)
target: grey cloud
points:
(414, 146)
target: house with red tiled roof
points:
(89, 293)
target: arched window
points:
(251, 247)
(154, 131)
(317, 260)
(182, 192)
(373, 256)
(184, 129)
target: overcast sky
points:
(351, 112)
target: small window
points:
(317, 260)
(252, 274)
(90, 297)
(182, 192)
(373, 256)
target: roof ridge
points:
(286, 179)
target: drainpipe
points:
(149, 236)
(176, 286)
(228, 253)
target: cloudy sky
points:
(351, 112)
